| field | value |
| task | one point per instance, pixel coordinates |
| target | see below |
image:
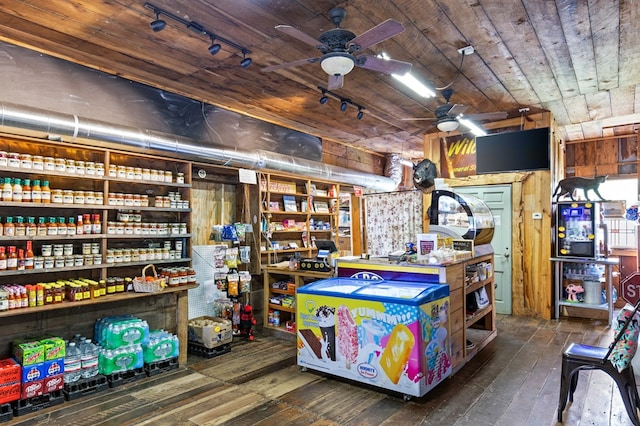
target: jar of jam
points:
(38, 162)
(121, 172)
(98, 198)
(103, 287)
(174, 278)
(70, 166)
(119, 199)
(136, 200)
(4, 160)
(130, 174)
(128, 200)
(154, 175)
(26, 161)
(143, 254)
(119, 285)
(126, 255)
(168, 176)
(111, 256)
(144, 200)
(67, 196)
(60, 165)
(184, 276)
(99, 169)
(111, 285)
(89, 197)
(146, 174)
(49, 164)
(191, 276)
(137, 173)
(113, 170)
(180, 178)
(13, 159)
(90, 168)
(80, 168)
(78, 197)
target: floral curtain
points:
(392, 220)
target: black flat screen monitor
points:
(326, 245)
(513, 151)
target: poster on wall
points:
(458, 156)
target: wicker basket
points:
(143, 285)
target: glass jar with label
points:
(26, 161)
(117, 255)
(111, 256)
(38, 162)
(144, 200)
(154, 175)
(4, 161)
(137, 173)
(183, 228)
(119, 199)
(49, 164)
(143, 254)
(168, 176)
(67, 196)
(130, 174)
(113, 170)
(136, 200)
(98, 198)
(146, 174)
(70, 166)
(89, 197)
(99, 169)
(128, 228)
(174, 278)
(80, 170)
(180, 178)
(61, 165)
(13, 159)
(128, 200)
(89, 168)
(122, 172)
(126, 255)
(78, 197)
(119, 228)
(112, 199)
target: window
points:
(622, 233)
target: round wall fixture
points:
(202, 174)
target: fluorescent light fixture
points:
(471, 126)
(410, 81)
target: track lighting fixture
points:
(158, 24)
(215, 47)
(216, 41)
(344, 102)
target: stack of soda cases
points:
(10, 380)
(121, 338)
(42, 362)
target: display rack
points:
(287, 314)
(293, 214)
(138, 205)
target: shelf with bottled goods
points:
(294, 213)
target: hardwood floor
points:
(513, 381)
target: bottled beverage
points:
(42, 226)
(9, 227)
(31, 229)
(20, 228)
(52, 227)
(62, 226)
(89, 359)
(72, 363)
(36, 192)
(3, 259)
(71, 226)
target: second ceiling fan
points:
(341, 49)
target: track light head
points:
(360, 114)
(158, 24)
(215, 47)
(324, 99)
(245, 62)
(343, 106)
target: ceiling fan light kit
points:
(448, 125)
(337, 63)
(159, 24)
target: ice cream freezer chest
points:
(390, 334)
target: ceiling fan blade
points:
(419, 119)
(380, 32)
(291, 64)
(296, 33)
(387, 66)
(457, 109)
(335, 82)
(488, 116)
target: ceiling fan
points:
(449, 117)
(340, 49)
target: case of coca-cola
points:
(9, 380)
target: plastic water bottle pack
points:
(162, 345)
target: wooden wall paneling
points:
(213, 204)
(607, 158)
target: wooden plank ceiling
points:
(577, 59)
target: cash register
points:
(322, 262)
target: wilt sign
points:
(458, 156)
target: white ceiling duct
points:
(33, 122)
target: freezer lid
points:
(414, 293)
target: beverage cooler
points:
(390, 334)
(579, 231)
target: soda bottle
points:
(72, 363)
(89, 359)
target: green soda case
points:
(121, 359)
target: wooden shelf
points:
(282, 308)
(280, 291)
(478, 315)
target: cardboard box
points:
(213, 335)
(53, 367)
(53, 383)
(53, 348)
(32, 389)
(33, 372)
(29, 353)
(9, 392)
(9, 371)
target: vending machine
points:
(579, 231)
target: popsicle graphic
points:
(396, 352)
(347, 336)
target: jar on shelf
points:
(168, 176)
(153, 175)
(99, 169)
(136, 200)
(13, 159)
(144, 200)
(78, 197)
(80, 167)
(137, 173)
(67, 196)
(4, 160)
(121, 172)
(146, 174)
(191, 276)
(126, 255)
(98, 198)
(128, 200)
(113, 171)
(119, 199)
(56, 196)
(70, 166)
(26, 161)
(183, 228)
(130, 173)
(119, 228)
(60, 165)
(89, 197)
(117, 255)
(90, 168)
(180, 178)
(49, 164)
(143, 254)
(38, 162)
(174, 278)
(111, 256)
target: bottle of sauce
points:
(12, 259)
(52, 227)
(71, 226)
(20, 228)
(26, 191)
(17, 189)
(31, 229)
(42, 226)
(45, 192)
(86, 224)
(20, 261)
(36, 192)
(3, 259)
(1, 228)
(7, 190)
(28, 256)
(79, 226)
(96, 226)
(62, 226)
(9, 227)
